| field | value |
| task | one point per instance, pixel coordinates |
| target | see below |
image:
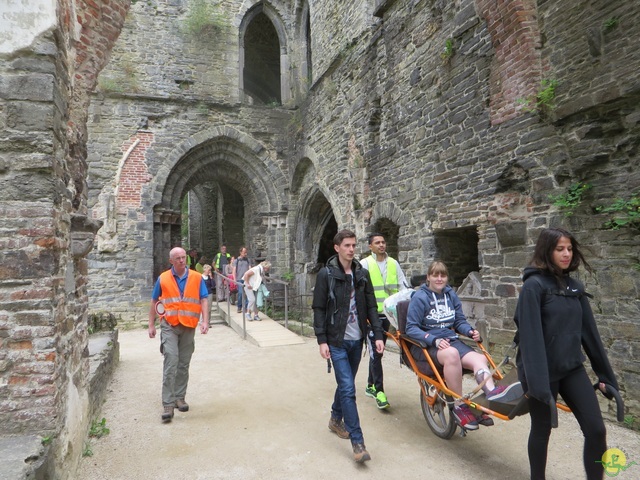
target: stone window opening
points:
(263, 58)
(458, 248)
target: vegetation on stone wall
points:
(125, 80)
(448, 51)
(570, 200)
(610, 24)
(203, 17)
(102, 322)
(623, 213)
(544, 100)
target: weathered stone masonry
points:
(381, 123)
(45, 80)
(393, 128)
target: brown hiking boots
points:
(167, 415)
(337, 426)
(182, 405)
(360, 454)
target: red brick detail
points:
(134, 173)
(516, 70)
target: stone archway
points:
(220, 169)
(223, 175)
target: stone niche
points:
(473, 303)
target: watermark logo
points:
(615, 462)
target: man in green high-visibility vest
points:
(387, 278)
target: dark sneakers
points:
(337, 427)
(360, 454)
(167, 415)
(182, 405)
(465, 418)
(506, 394)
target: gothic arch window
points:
(263, 58)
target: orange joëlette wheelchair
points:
(436, 399)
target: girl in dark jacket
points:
(555, 322)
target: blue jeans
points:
(346, 360)
(240, 293)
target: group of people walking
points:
(554, 323)
(553, 318)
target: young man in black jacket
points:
(343, 300)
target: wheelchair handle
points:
(554, 413)
(619, 402)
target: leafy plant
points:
(542, 101)
(629, 420)
(46, 440)
(87, 451)
(609, 24)
(288, 276)
(448, 51)
(203, 17)
(571, 199)
(98, 429)
(625, 213)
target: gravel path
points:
(262, 413)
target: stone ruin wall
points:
(49, 64)
(446, 145)
(410, 128)
(433, 142)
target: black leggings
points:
(577, 391)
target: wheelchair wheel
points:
(438, 416)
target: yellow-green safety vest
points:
(381, 289)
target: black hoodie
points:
(553, 324)
(330, 312)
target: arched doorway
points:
(227, 191)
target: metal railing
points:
(269, 299)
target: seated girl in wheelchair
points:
(434, 316)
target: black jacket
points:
(554, 324)
(330, 315)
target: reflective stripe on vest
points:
(185, 310)
(381, 289)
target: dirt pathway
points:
(262, 413)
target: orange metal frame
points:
(437, 381)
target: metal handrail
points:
(266, 280)
(244, 320)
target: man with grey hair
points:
(180, 298)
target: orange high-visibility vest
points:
(185, 310)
